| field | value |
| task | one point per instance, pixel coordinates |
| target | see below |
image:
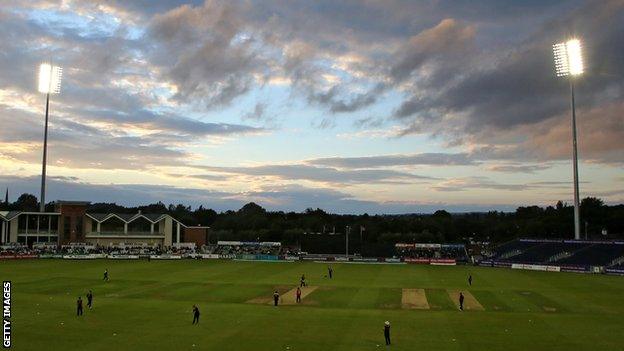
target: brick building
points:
(70, 223)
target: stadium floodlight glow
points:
(49, 83)
(50, 78)
(568, 58)
(569, 63)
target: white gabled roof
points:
(127, 218)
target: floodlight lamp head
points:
(568, 58)
(50, 78)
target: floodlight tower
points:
(569, 63)
(49, 83)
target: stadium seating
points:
(247, 249)
(568, 255)
(595, 255)
(513, 248)
(545, 252)
(432, 251)
(559, 252)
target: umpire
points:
(387, 332)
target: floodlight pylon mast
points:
(49, 83)
(45, 156)
(577, 206)
(569, 63)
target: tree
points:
(594, 214)
(27, 202)
(205, 216)
(252, 208)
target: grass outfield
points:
(147, 306)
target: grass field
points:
(147, 306)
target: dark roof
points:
(79, 203)
(126, 217)
(98, 216)
(152, 217)
(13, 214)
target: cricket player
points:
(105, 275)
(330, 271)
(275, 298)
(303, 283)
(89, 299)
(195, 315)
(387, 332)
(461, 301)
(79, 306)
(298, 295)
(470, 279)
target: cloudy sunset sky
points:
(350, 106)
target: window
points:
(44, 221)
(21, 224)
(30, 240)
(79, 227)
(140, 225)
(112, 224)
(54, 223)
(66, 227)
(32, 223)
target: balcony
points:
(120, 234)
(33, 232)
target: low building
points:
(70, 222)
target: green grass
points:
(439, 299)
(147, 306)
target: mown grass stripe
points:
(439, 299)
(542, 302)
(491, 301)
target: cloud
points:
(468, 183)
(148, 83)
(126, 194)
(600, 135)
(518, 168)
(438, 46)
(502, 91)
(554, 184)
(436, 159)
(281, 197)
(336, 102)
(322, 174)
(170, 123)
(205, 51)
(79, 144)
(113, 111)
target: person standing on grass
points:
(89, 299)
(303, 283)
(195, 315)
(470, 279)
(105, 275)
(275, 298)
(461, 301)
(330, 271)
(387, 332)
(79, 306)
(298, 295)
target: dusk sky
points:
(350, 106)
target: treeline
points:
(252, 222)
